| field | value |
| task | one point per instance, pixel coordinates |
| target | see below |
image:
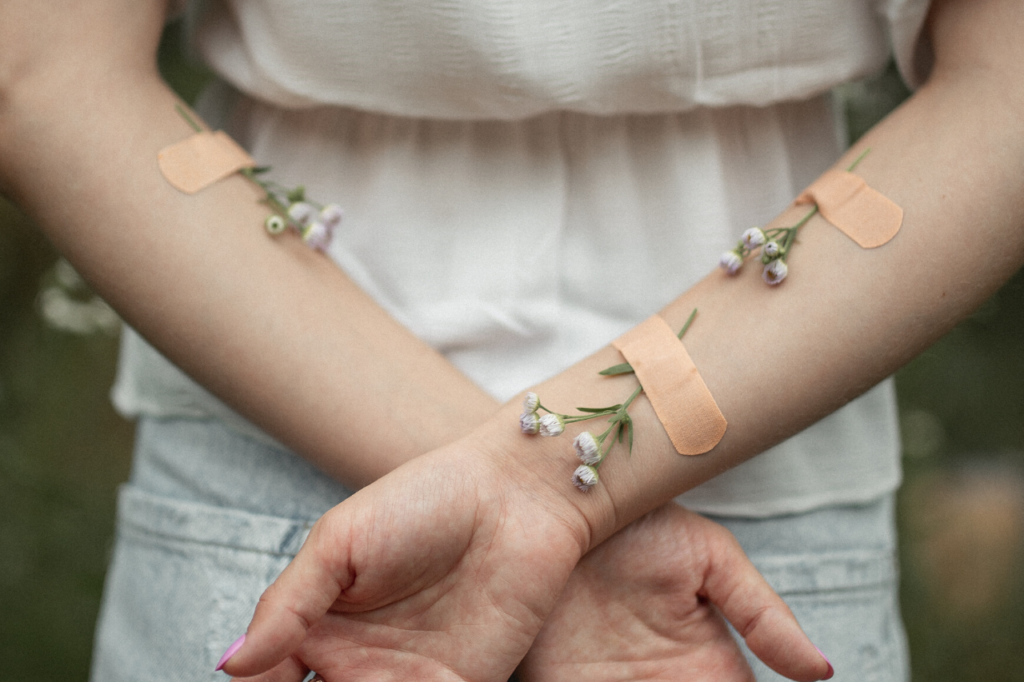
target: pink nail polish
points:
(232, 650)
(831, 670)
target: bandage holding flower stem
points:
(677, 392)
(843, 199)
(207, 157)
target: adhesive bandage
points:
(202, 159)
(681, 399)
(865, 215)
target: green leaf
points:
(257, 170)
(598, 410)
(624, 368)
(297, 194)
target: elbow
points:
(978, 42)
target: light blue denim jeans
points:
(836, 569)
(209, 518)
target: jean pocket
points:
(183, 584)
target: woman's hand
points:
(444, 569)
(642, 606)
(437, 578)
(447, 568)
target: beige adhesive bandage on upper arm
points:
(682, 401)
(202, 159)
(863, 214)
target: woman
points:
(626, 216)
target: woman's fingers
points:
(764, 621)
(288, 670)
(297, 600)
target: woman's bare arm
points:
(778, 359)
(274, 329)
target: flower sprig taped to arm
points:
(201, 160)
(291, 208)
(776, 243)
(591, 449)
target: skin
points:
(648, 604)
(199, 277)
(642, 606)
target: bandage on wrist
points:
(681, 399)
(202, 159)
(865, 215)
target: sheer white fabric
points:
(502, 59)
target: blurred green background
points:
(63, 452)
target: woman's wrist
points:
(639, 466)
(547, 464)
(539, 471)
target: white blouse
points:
(524, 182)
(510, 59)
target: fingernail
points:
(233, 649)
(831, 670)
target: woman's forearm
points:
(273, 328)
(776, 359)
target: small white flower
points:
(585, 477)
(331, 215)
(317, 236)
(587, 448)
(529, 423)
(753, 238)
(531, 402)
(772, 249)
(730, 261)
(301, 213)
(775, 272)
(551, 425)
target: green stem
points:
(619, 414)
(791, 234)
(626, 368)
(858, 160)
(792, 231)
(686, 326)
(188, 119)
(631, 398)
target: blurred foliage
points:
(63, 452)
(961, 509)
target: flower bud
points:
(585, 477)
(775, 272)
(772, 249)
(317, 236)
(529, 423)
(551, 425)
(730, 261)
(587, 448)
(275, 224)
(753, 238)
(331, 215)
(301, 213)
(531, 402)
